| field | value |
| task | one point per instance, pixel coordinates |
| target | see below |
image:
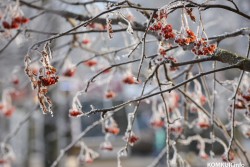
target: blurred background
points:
(41, 136)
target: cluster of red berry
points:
(129, 80)
(201, 47)
(191, 38)
(166, 31)
(112, 129)
(86, 41)
(203, 125)
(70, 72)
(172, 68)
(157, 123)
(177, 130)
(90, 63)
(160, 15)
(156, 27)
(49, 79)
(15, 23)
(110, 94)
(163, 52)
(106, 145)
(74, 113)
(7, 110)
(131, 138)
(159, 25)
(97, 26)
(6, 106)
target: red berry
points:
(110, 94)
(113, 130)
(155, 15)
(25, 20)
(203, 125)
(6, 25)
(90, 63)
(169, 27)
(9, 112)
(75, 113)
(70, 72)
(18, 19)
(14, 25)
(129, 80)
(15, 81)
(86, 41)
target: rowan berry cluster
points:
(164, 30)
(157, 123)
(6, 106)
(172, 59)
(201, 47)
(106, 145)
(131, 138)
(69, 72)
(43, 79)
(47, 77)
(163, 52)
(86, 154)
(130, 80)
(50, 78)
(191, 38)
(160, 15)
(96, 26)
(12, 17)
(9, 112)
(167, 32)
(91, 63)
(177, 130)
(111, 127)
(86, 41)
(203, 123)
(110, 94)
(75, 113)
(15, 23)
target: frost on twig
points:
(123, 152)
(42, 79)
(6, 106)
(129, 28)
(7, 156)
(76, 109)
(109, 27)
(177, 160)
(86, 154)
(202, 146)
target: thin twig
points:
(10, 41)
(166, 90)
